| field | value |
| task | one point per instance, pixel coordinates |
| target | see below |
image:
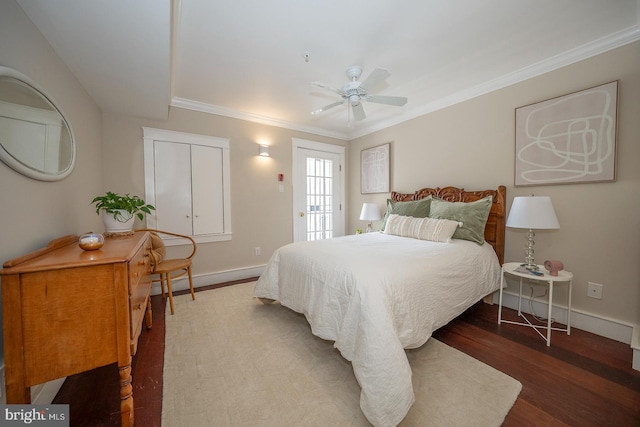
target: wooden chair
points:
(166, 270)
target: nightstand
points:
(562, 277)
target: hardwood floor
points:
(581, 380)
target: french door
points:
(318, 190)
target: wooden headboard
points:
(495, 228)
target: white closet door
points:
(208, 209)
(173, 187)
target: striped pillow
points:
(435, 230)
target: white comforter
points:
(375, 295)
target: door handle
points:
(301, 214)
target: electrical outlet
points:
(594, 290)
(257, 250)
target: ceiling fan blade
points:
(374, 79)
(389, 100)
(327, 107)
(327, 87)
(358, 112)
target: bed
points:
(376, 294)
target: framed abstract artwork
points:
(374, 174)
(569, 139)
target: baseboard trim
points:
(214, 278)
(605, 327)
(41, 394)
(608, 328)
(635, 345)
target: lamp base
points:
(528, 260)
(369, 228)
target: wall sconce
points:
(264, 150)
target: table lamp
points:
(532, 212)
(370, 212)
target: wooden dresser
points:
(67, 311)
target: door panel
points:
(318, 195)
(173, 187)
(207, 194)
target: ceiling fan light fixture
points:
(354, 91)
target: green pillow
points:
(473, 216)
(414, 208)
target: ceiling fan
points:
(355, 91)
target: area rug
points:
(232, 361)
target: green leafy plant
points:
(113, 203)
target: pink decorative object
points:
(553, 267)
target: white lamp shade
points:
(370, 212)
(532, 212)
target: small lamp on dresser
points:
(532, 213)
(370, 212)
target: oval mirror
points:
(35, 137)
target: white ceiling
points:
(245, 58)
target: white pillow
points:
(435, 230)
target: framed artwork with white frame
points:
(374, 169)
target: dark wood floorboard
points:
(581, 380)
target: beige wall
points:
(34, 212)
(471, 145)
(468, 145)
(261, 216)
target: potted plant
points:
(119, 211)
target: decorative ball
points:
(91, 241)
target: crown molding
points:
(203, 107)
(586, 51)
(564, 59)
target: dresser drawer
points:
(139, 266)
(139, 290)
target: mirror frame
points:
(20, 167)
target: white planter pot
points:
(123, 224)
